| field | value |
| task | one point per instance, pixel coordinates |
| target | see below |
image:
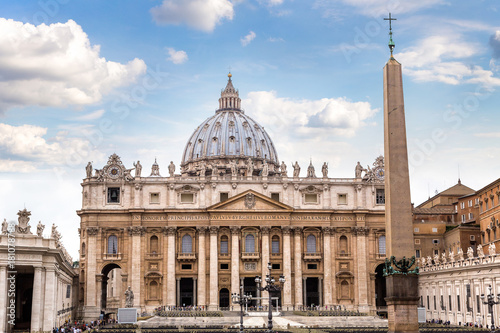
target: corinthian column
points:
(37, 300)
(136, 232)
(91, 267)
(214, 278)
(265, 260)
(327, 266)
(361, 268)
(202, 270)
(171, 266)
(297, 258)
(235, 261)
(287, 269)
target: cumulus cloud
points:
(202, 15)
(26, 145)
(248, 38)
(55, 65)
(271, 2)
(17, 166)
(495, 44)
(443, 59)
(91, 116)
(177, 57)
(337, 116)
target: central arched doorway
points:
(380, 291)
(111, 289)
(224, 298)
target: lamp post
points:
(241, 299)
(490, 301)
(270, 287)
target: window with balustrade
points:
(187, 244)
(311, 244)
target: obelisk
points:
(401, 274)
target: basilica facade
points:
(192, 238)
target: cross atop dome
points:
(229, 97)
(391, 43)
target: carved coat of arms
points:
(23, 227)
(250, 201)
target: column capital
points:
(92, 231)
(297, 230)
(235, 230)
(327, 231)
(214, 230)
(286, 230)
(169, 231)
(136, 231)
(202, 229)
(265, 230)
(360, 231)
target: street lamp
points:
(241, 299)
(490, 301)
(270, 287)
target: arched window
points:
(311, 244)
(112, 244)
(275, 244)
(153, 244)
(224, 244)
(187, 244)
(343, 245)
(381, 244)
(83, 250)
(250, 243)
(153, 290)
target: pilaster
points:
(202, 271)
(235, 261)
(287, 271)
(264, 230)
(327, 266)
(214, 276)
(3, 298)
(171, 231)
(36, 300)
(297, 258)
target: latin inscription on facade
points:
(187, 217)
(232, 217)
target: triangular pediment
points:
(250, 201)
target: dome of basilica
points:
(229, 141)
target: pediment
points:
(250, 201)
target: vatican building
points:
(190, 234)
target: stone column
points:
(3, 298)
(362, 267)
(195, 303)
(235, 262)
(91, 271)
(265, 260)
(320, 282)
(327, 266)
(100, 290)
(287, 269)
(136, 233)
(202, 270)
(178, 292)
(125, 285)
(36, 300)
(333, 280)
(214, 276)
(297, 259)
(171, 260)
(49, 307)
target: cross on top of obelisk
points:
(391, 43)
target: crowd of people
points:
(82, 327)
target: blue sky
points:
(80, 80)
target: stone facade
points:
(38, 275)
(451, 289)
(191, 239)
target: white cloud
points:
(17, 166)
(27, 143)
(271, 2)
(248, 38)
(488, 135)
(202, 15)
(375, 8)
(443, 59)
(309, 118)
(275, 39)
(91, 116)
(177, 57)
(55, 65)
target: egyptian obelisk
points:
(401, 275)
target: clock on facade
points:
(114, 171)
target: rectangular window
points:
(342, 199)
(428, 303)
(462, 205)
(275, 245)
(224, 266)
(276, 266)
(416, 229)
(275, 196)
(417, 253)
(380, 196)
(311, 198)
(471, 216)
(449, 302)
(421, 301)
(224, 246)
(434, 229)
(442, 303)
(223, 196)
(187, 197)
(434, 302)
(113, 195)
(186, 266)
(478, 302)
(312, 266)
(68, 291)
(463, 217)
(436, 252)
(417, 241)
(458, 303)
(154, 198)
(470, 203)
